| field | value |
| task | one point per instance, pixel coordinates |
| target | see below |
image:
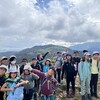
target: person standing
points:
(3, 70)
(94, 73)
(58, 64)
(69, 69)
(24, 62)
(84, 70)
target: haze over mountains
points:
(30, 52)
(90, 46)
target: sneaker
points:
(96, 96)
(84, 97)
(68, 95)
(72, 94)
(89, 97)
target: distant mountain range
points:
(30, 52)
(90, 46)
(52, 49)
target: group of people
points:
(41, 76)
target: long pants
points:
(28, 94)
(93, 84)
(85, 85)
(36, 88)
(1, 96)
(70, 78)
(47, 97)
(59, 75)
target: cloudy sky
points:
(26, 23)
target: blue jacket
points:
(45, 69)
(84, 70)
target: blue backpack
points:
(17, 93)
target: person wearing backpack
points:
(12, 64)
(29, 88)
(84, 70)
(3, 70)
(40, 59)
(94, 73)
(24, 62)
(58, 65)
(36, 65)
(12, 86)
(69, 68)
(48, 83)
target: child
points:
(7, 86)
(48, 83)
(94, 74)
(85, 76)
(69, 68)
(12, 64)
(58, 65)
(29, 88)
(46, 66)
(3, 70)
(40, 59)
(4, 61)
(36, 65)
(24, 62)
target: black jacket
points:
(69, 69)
(37, 66)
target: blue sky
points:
(26, 23)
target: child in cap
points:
(12, 64)
(24, 62)
(58, 65)
(94, 73)
(35, 65)
(29, 88)
(11, 84)
(3, 70)
(48, 83)
(69, 68)
(84, 70)
(4, 61)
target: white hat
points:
(3, 66)
(95, 52)
(12, 56)
(13, 71)
(63, 52)
(28, 67)
(48, 60)
(2, 58)
(87, 54)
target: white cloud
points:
(64, 22)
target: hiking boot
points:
(68, 95)
(92, 94)
(84, 97)
(89, 97)
(72, 94)
(96, 96)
